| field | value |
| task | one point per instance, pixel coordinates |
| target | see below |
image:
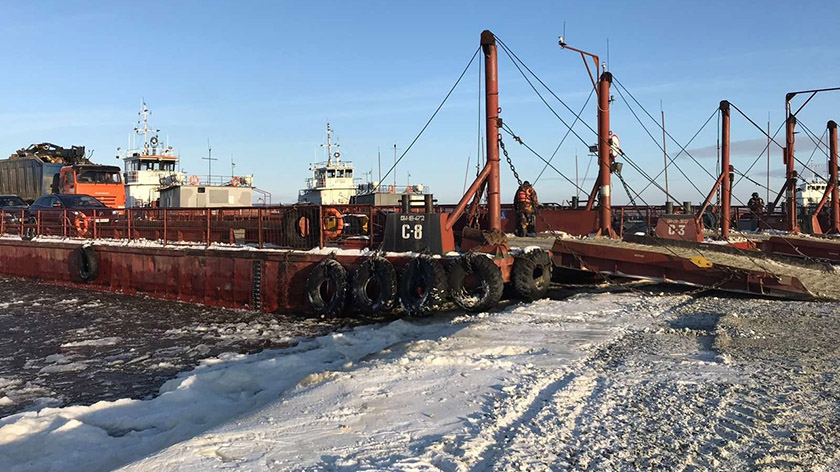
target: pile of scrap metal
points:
(51, 153)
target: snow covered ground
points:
(594, 382)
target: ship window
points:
(98, 176)
(331, 173)
(339, 173)
(348, 173)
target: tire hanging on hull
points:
(373, 287)
(422, 286)
(475, 282)
(326, 288)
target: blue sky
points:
(261, 79)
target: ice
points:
(94, 342)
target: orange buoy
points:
(82, 224)
(194, 180)
(332, 223)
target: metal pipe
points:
(604, 207)
(726, 184)
(490, 173)
(833, 171)
(459, 209)
(491, 87)
(790, 175)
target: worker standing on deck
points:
(525, 203)
(756, 204)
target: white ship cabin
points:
(332, 182)
(810, 193)
(149, 167)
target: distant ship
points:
(149, 166)
(333, 183)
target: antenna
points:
(395, 164)
(209, 160)
(608, 55)
(232, 165)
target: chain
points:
(548, 225)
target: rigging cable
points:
(660, 148)
(511, 53)
(568, 131)
(430, 119)
(658, 125)
(505, 49)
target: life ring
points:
(531, 274)
(479, 296)
(82, 224)
(332, 223)
(373, 286)
(392, 189)
(88, 268)
(422, 286)
(326, 288)
(336, 154)
(235, 182)
(194, 180)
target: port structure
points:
(268, 259)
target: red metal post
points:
(207, 234)
(604, 207)
(790, 175)
(128, 223)
(726, 185)
(490, 173)
(833, 171)
(491, 86)
(260, 227)
(164, 226)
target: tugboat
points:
(149, 168)
(332, 181)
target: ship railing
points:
(213, 180)
(297, 226)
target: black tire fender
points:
(422, 286)
(531, 274)
(291, 230)
(88, 263)
(488, 277)
(373, 286)
(326, 288)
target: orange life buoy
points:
(194, 180)
(392, 189)
(235, 182)
(82, 224)
(332, 223)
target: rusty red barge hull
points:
(636, 263)
(266, 281)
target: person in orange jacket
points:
(525, 203)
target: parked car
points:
(11, 206)
(66, 215)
